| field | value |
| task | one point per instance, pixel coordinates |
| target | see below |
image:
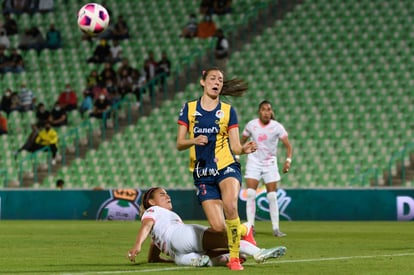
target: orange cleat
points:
(249, 236)
(234, 264)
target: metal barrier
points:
(33, 158)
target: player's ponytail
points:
(232, 87)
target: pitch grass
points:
(93, 247)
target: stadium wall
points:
(294, 204)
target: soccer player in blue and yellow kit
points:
(209, 128)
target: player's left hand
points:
(286, 167)
(249, 147)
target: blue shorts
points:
(208, 185)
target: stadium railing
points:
(33, 158)
(397, 161)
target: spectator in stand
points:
(15, 101)
(4, 61)
(221, 7)
(93, 80)
(138, 82)
(206, 7)
(32, 39)
(108, 73)
(58, 116)
(150, 66)
(4, 39)
(6, 102)
(190, 29)
(206, 28)
(42, 115)
(222, 45)
(53, 38)
(101, 105)
(124, 65)
(101, 53)
(116, 52)
(113, 94)
(87, 103)
(10, 25)
(16, 61)
(125, 83)
(120, 29)
(3, 124)
(163, 66)
(27, 98)
(68, 99)
(30, 145)
(48, 137)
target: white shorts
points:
(187, 238)
(268, 171)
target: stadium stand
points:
(338, 73)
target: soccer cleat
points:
(200, 262)
(278, 233)
(265, 254)
(234, 264)
(249, 235)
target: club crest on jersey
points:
(219, 114)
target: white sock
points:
(185, 259)
(248, 248)
(251, 205)
(273, 209)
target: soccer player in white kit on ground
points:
(186, 244)
(262, 164)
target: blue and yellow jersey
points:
(216, 154)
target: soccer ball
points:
(93, 19)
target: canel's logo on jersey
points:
(211, 130)
(219, 114)
(262, 204)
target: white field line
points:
(251, 263)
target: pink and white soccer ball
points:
(93, 19)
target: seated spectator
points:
(116, 52)
(108, 73)
(68, 99)
(53, 38)
(6, 102)
(3, 124)
(113, 94)
(58, 116)
(221, 7)
(93, 80)
(5, 65)
(124, 83)
(120, 29)
(42, 115)
(16, 61)
(101, 53)
(190, 29)
(32, 39)
(48, 137)
(124, 65)
(101, 105)
(60, 184)
(207, 27)
(4, 39)
(164, 65)
(10, 25)
(45, 6)
(27, 98)
(206, 7)
(30, 145)
(86, 104)
(138, 82)
(222, 45)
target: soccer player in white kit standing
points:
(262, 164)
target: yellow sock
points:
(243, 230)
(233, 236)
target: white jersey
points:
(172, 236)
(267, 138)
(165, 222)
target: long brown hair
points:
(148, 195)
(232, 87)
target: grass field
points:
(92, 247)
